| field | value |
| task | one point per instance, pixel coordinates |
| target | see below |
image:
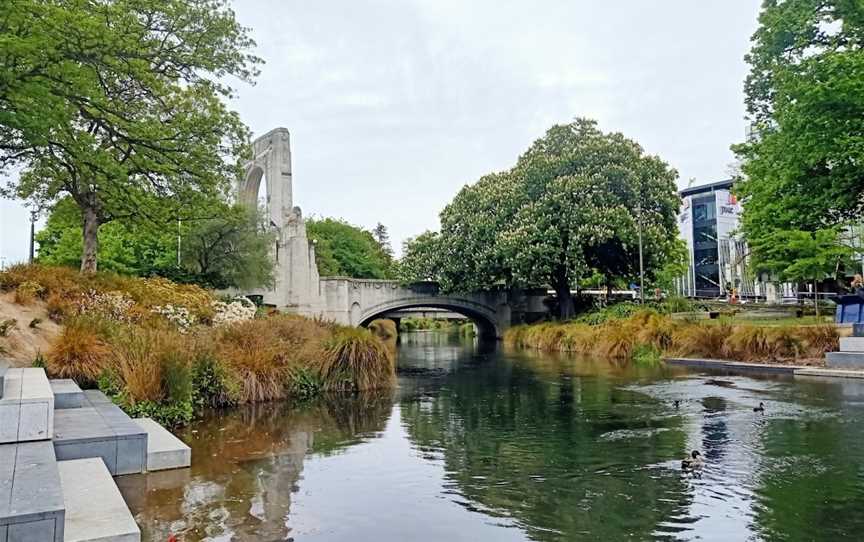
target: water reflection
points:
(480, 444)
(247, 463)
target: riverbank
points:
(166, 350)
(764, 368)
(648, 336)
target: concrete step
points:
(27, 406)
(852, 344)
(101, 429)
(164, 450)
(844, 360)
(31, 496)
(95, 510)
(67, 394)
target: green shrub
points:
(645, 355)
(304, 383)
(167, 414)
(212, 386)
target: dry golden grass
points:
(699, 339)
(79, 352)
(356, 360)
(618, 339)
(385, 330)
(138, 358)
(615, 340)
(263, 354)
(58, 307)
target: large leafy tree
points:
(125, 248)
(120, 105)
(804, 167)
(232, 249)
(572, 207)
(342, 249)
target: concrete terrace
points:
(59, 450)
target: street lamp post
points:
(33, 214)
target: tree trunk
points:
(91, 239)
(565, 298)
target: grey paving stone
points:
(27, 406)
(95, 509)
(101, 430)
(164, 450)
(67, 394)
(851, 344)
(31, 498)
(844, 360)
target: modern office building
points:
(707, 222)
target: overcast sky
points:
(393, 105)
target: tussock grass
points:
(385, 330)
(141, 358)
(260, 357)
(647, 330)
(699, 339)
(355, 360)
(79, 352)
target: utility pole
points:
(33, 214)
(641, 261)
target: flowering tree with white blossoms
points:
(572, 207)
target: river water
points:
(477, 444)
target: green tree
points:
(345, 250)
(125, 249)
(420, 258)
(573, 206)
(119, 104)
(802, 256)
(805, 97)
(232, 250)
(382, 236)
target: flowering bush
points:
(111, 305)
(177, 315)
(238, 310)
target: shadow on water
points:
(478, 443)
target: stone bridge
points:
(299, 289)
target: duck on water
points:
(693, 462)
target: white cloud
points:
(393, 105)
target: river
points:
(478, 444)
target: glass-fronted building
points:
(708, 219)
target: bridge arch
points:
(485, 317)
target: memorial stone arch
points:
(296, 286)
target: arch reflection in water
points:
(247, 465)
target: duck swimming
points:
(677, 403)
(760, 408)
(692, 462)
